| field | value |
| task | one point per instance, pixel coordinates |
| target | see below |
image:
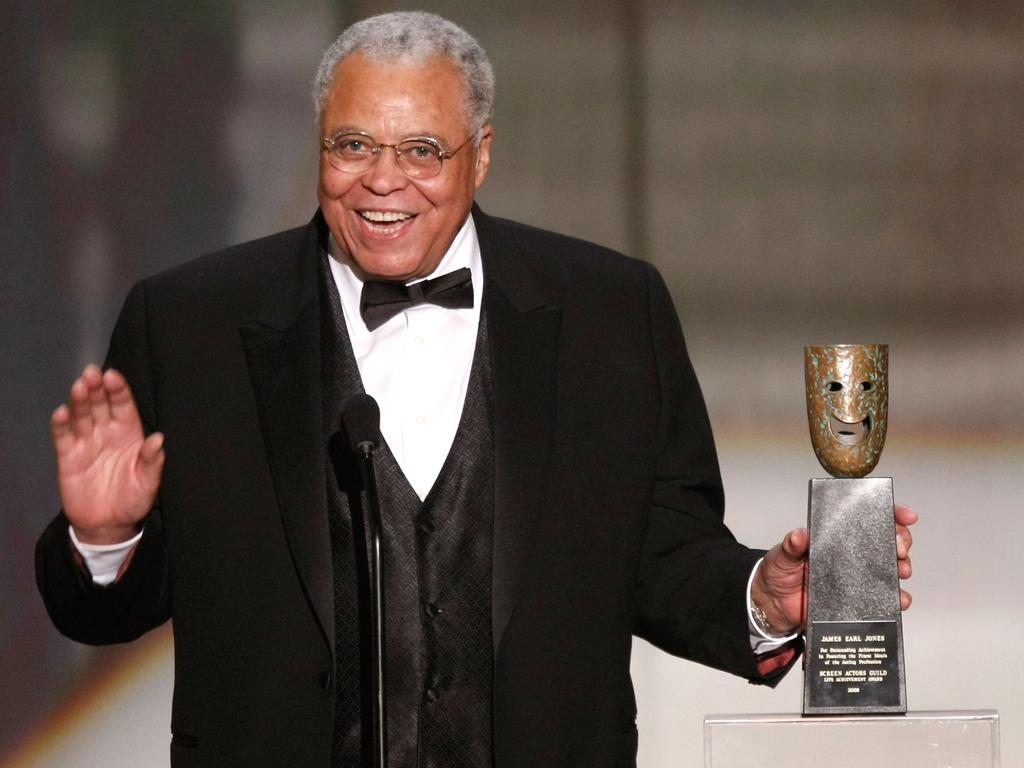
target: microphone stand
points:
(372, 521)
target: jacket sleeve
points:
(140, 599)
(690, 596)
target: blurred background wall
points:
(801, 172)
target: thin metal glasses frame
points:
(328, 143)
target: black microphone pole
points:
(360, 419)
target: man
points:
(548, 478)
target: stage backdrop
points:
(802, 172)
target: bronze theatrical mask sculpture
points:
(854, 630)
(847, 405)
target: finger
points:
(92, 374)
(794, 545)
(81, 413)
(152, 449)
(122, 404)
(60, 429)
(151, 461)
(99, 404)
(905, 569)
(905, 537)
(905, 515)
(905, 599)
(788, 558)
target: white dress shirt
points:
(416, 366)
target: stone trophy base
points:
(965, 739)
(854, 659)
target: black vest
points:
(437, 571)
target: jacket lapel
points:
(282, 350)
(524, 327)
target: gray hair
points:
(414, 37)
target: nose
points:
(384, 176)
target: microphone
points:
(360, 421)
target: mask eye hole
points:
(834, 386)
(867, 386)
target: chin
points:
(394, 268)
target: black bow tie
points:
(381, 301)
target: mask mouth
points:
(849, 432)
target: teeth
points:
(384, 216)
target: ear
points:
(483, 154)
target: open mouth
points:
(849, 433)
(385, 222)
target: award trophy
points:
(854, 662)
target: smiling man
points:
(548, 477)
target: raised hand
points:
(781, 582)
(107, 469)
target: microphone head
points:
(360, 421)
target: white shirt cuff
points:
(760, 641)
(104, 560)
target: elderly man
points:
(548, 479)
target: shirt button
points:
(421, 419)
(419, 339)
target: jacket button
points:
(324, 679)
(432, 609)
(426, 525)
(432, 694)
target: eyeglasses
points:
(419, 158)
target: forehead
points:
(393, 98)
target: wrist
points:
(764, 610)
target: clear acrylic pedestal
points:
(964, 739)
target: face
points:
(394, 227)
(847, 405)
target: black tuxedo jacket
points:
(608, 503)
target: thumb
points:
(793, 551)
(151, 459)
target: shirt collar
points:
(463, 252)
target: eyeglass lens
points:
(354, 153)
